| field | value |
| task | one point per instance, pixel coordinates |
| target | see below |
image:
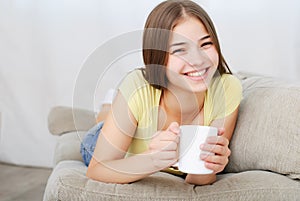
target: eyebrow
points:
(183, 43)
(204, 37)
(177, 44)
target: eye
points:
(206, 45)
(178, 51)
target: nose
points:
(196, 57)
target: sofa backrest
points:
(267, 134)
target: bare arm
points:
(105, 108)
(219, 146)
(109, 163)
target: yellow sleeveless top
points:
(222, 97)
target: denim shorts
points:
(88, 143)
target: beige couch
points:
(264, 165)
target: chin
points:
(198, 89)
(203, 86)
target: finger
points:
(217, 149)
(174, 127)
(162, 164)
(221, 131)
(215, 167)
(221, 140)
(169, 146)
(169, 136)
(168, 155)
(222, 160)
(163, 145)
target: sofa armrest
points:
(68, 147)
(63, 119)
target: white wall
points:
(260, 36)
(45, 44)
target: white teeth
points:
(197, 74)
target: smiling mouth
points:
(196, 73)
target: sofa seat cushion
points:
(68, 182)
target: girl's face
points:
(193, 58)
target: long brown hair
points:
(156, 36)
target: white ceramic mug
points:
(191, 137)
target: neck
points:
(183, 105)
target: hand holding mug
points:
(163, 147)
(219, 146)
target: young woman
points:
(185, 81)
